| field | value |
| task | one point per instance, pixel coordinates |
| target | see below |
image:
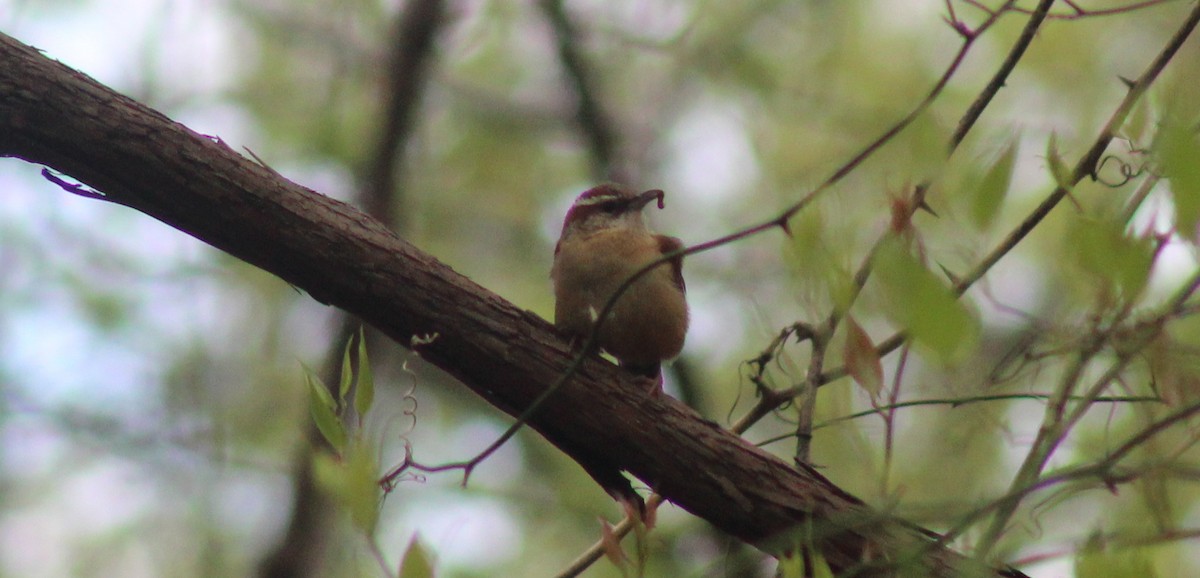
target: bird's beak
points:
(644, 199)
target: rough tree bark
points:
(57, 117)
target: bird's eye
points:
(611, 207)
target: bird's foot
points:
(654, 385)
(651, 375)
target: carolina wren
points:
(604, 242)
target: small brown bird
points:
(605, 241)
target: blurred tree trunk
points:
(301, 552)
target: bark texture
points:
(134, 156)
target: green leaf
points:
(1094, 561)
(329, 473)
(324, 412)
(821, 567)
(361, 494)
(791, 567)
(919, 302)
(416, 562)
(861, 359)
(1103, 249)
(365, 394)
(818, 265)
(1063, 176)
(1179, 158)
(989, 196)
(347, 375)
(1137, 122)
(352, 482)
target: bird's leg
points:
(656, 386)
(651, 373)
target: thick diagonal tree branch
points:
(134, 156)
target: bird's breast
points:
(649, 320)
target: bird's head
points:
(608, 206)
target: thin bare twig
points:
(955, 402)
(889, 421)
(1078, 12)
(806, 405)
(997, 82)
(1101, 469)
(1058, 422)
(767, 404)
(1082, 169)
(1139, 196)
(1112, 541)
(468, 466)
(622, 529)
(1104, 471)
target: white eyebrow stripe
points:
(596, 200)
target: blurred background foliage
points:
(153, 406)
